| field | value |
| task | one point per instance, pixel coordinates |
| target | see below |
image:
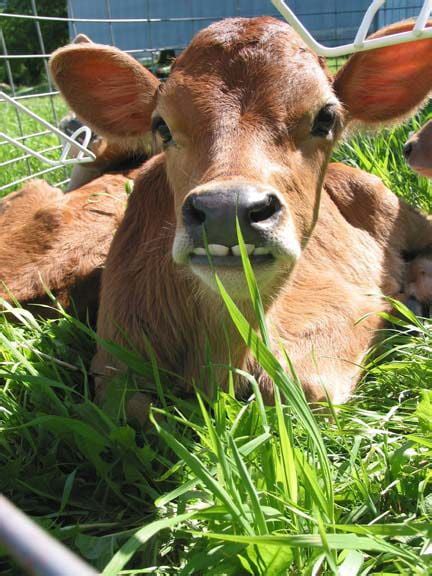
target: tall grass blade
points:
(122, 556)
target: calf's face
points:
(247, 122)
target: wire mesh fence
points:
(150, 30)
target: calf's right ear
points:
(106, 88)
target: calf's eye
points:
(324, 121)
(160, 127)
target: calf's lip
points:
(229, 261)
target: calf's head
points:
(247, 122)
(418, 150)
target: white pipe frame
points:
(360, 43)
(84, 155)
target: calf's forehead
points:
(251, 63)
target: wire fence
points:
(149, 30)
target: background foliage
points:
(21, 38)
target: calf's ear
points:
(389, 83)
(81, 39)
(106, 88)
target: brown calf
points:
(418, 154)
(51, 241)
(56, 242)
(418, 150)
(248, 120)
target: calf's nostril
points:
(192, 214)
(407, 149)
(264, 210)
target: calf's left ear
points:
(386, 84)
(107, 89)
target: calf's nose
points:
(215, 212)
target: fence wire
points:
(146, 29)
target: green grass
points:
(383, 156)
(228, 486)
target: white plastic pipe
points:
(34, 549)
(360, 43)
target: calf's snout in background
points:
(212, 213)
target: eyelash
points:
(159, 126)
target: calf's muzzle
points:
(212, 214)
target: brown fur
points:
(58, 242)
(129, 84)
(240, 104)
(420, 156)
(419, 278)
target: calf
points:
(248, 120)
(56, 242)
(418, 151)
(418, 154)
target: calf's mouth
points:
(219, 255)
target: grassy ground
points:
(229, 487)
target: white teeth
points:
(200, 251)
(218, 250)
(249, 249)
(261, 251)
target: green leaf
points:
(67, 489)
(122, 556)
(424, 411)
(254, 293)
(287, 452)
(352, 564)
(270, 560)
(249, 487)
(334, 541)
